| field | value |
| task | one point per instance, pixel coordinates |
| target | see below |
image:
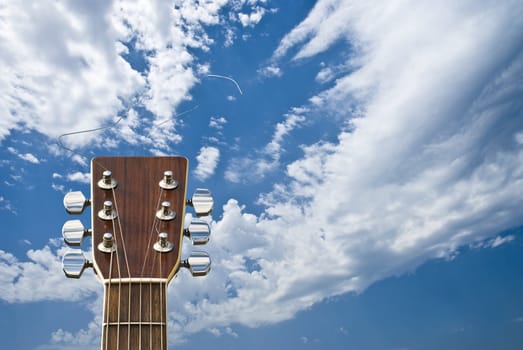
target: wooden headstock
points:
(134, 191)
(138, 208)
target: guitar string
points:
(161, 302)
(151, 316)
(108, 301)
(158, 259)
(140, 317)
(119, 286)
(120, 229)
(156, 254)
(151, 234)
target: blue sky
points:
(366, 160)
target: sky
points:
(366, 162)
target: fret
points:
(135, 315)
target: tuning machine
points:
(201, 201)
(74, 263)
(75, 202)
(73, 232)
(198, 232)
(198, 263)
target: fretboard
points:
(135, 315)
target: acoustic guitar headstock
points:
(137, 217)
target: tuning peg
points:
(74, 263)
(199, 263)
(75, 202)
(74, 232)
(201, 201)
(107, 212)
(166, 213)
(107, 245)
(163, 245)
(198, 232)
(107, 182)
(168, 183)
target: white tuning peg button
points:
(74, 263)
(202, 201)
(198, 232)
(199, 263)
(74, 232)
(75, 202)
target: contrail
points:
(228, 78)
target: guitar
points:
(137, 217)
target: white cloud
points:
(217, 122)
(248, 169)
(58, 188)
(42, 272)
(495, 242)
(253, 168)
(325, 75)
(5, 204)
(61, 69)
(253, 18)
(29, 157)
(79, 159)
(207, 162)
(270, 71)
(291, 122)
(502, 240)
(79, 177)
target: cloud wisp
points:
(207, 162)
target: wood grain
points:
(137, 198)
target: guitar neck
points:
(134, 315)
